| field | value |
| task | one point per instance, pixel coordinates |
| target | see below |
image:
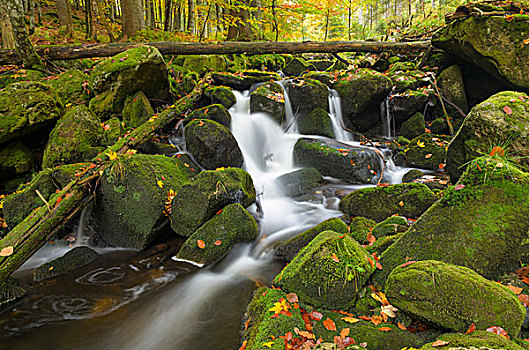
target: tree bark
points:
(70, 52)
(132, 17)
(24, 47)
(8, 38)
(191, 16)
(168, 15)
(64, 11)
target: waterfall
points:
(335, 112)
(388, 123)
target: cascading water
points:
(387, 118)
(335, 112)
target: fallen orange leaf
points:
(201, 244)
(439, 343)
(345, 332)
(329, 324)
(401, 326)
(376, 320)
(401, 203)
(507, 110)
(350, 319)
(385, 329)
(7, 251)
(515, 290)
(335, 258)
(315, 315)
(471, 329)
(217, 242)
(305, 334)
(499, 331)
(429, 155)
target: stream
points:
(132, 301)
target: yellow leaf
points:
(401, 203)
(159, 183)
(7, 251)
(380, 297)
(279, 306)
(350, 319)
(420, 144)
(526, 41)
(112, 155)
(51, 268)
(269, 344)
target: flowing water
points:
(135, 306)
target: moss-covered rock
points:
(480, 223)
(307, 95)
(131, 197)
(502, 120)
(205, 63)
(321, 64)
(439, 127)
(137, 109)
(322, 77)
(361, 93)
(270, 62)
(297, 66)
(317, 122)
(15, 159)
(113, 130)
(287, 250)
(73, 259)
(212, 144)
(20, 75)
(411, 175)
(360, 227)
(300, 182)
(26, 108)
(423, 152)
(413, 127)
(114, 79)
(216, 112)
(475, 340)
(453, 297)
(452, 86)
(10, 292)
(243, 80)
(405, 75)
(379, 203)
(402, 106)
(491, 43)
(328, 272)
(232, 225)
(72, 86)
(75, 138)
(332, 158)
(390, 226)
(208, 192)
(220, 95)
(383, 243)
(270, 99)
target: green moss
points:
(317, 122)
(451, 84)
(216, 112)
(297, 66)
(322, 77)
(113, 131)
(72, 86)
(439, 127)
(270, 62)
(221, 95)
(243, 79)
(233, 225)
(390, 226)
(307, 95)
(318, 279)
(412, 175)
(10, 291)
(383, 243)
(379, 203)
(360, 227)
(137, 110)
(73, 259)
(288, 250)
(453, 297)
(208, 192)
(425, 153)
(20, 75)
(205, 63)
(475, 340)
(413, 127)
(26, 108)
(270, 99)
(15, 159)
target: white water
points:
(335, 112)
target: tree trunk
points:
(8, 38)
(191, 16)
(24, 48)
(168, 15)
(64, 12)
(132, 17)
(31, 5)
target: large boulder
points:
(219, 95)
(212, 144)
(72, 86)
(26, 108)
(482, 223)
(232, 225)
(114, 79)
(73, 259)
(15, 159)
(269, 98)
(299, 182)
(502, 120)
(137, 110)
(297, 66)
(131, 196)
(208, 192)
(339, 160)
(329, 272)
(425, 153)
(204, 63)
(317, 122)
(361, 93)
(306, 95)
(217, 112)
(453, 297)
(491, 43)
(379, 203)
(76, 138)
(413, 127)
(452, 86)
(243, 80)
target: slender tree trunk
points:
(88, 14)
(23, 45)
(8, 38)
(31, 11)
(259, 17)
(168, 15)
(39, 13)
(191, 16)
(327, 18)
(64, 12)
(132, 17)
(349, 15)
(93, 20)
(276, 28)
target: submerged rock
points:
(317, 122)
(232, 225)
(300, 182)
(412, 175)
(73, 259)
(453, 297)
(217, 112)
(208, 192)
(379, 203)
(339, 160)
(212, 144)
(269, 98)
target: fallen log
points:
(31, 234)
(70, 52)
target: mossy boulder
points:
(379, 203)
(27, 108)
(113, 131)
(307, 95)
(286, 251)
(390, 226)
(212, 144)
(10, 292)
(20, 75)
(297, 66)
(321, 64)
(114, 79)
(439, 127)
(405, 75)
(270, 62)
(425, 153)
(205, 63)
(208, 192)
(452, 86)
(270, 99)
(75, 138)
(317, 122)
(328, 272)
(480, 223)
(15, 159)
(453, 297)
(405, 105)
(73, 259)
(383, 243)
(339, 160)
(360, 227)
(72, 86)
(131, 196)
(413, 127)
(220, 95)
(137, 110)
(216, 112)
(361, 93)
(491, 43)
(323, 77)
(475, 340)
(232, 225)
(412, 175)
(243, 80)
(502, 120)
(300, 182)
